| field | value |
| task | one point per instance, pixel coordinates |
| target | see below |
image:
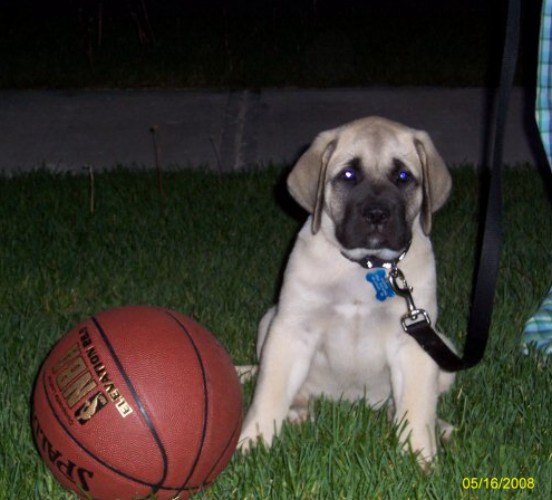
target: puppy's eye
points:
(403, 177)
(349, 174)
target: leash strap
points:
(416, 322)
(489, 257)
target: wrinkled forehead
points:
(376, 146)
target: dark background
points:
(248, 43)
(263, 7)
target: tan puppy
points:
(371, 187)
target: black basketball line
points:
(205, 399)
(155, 487)
(79, 444)
(237, 429)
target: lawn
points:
(213, 247)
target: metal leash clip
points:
(399, 284)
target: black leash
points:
(487, 271)
(416, 322)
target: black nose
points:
(376, 215)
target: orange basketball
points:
(137, 401)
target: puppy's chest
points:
(361, 321)
(352, 356)
(367, 299)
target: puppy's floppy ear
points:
(307, 180)
(436, 178)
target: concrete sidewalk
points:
(67, 131)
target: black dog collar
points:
(373, 262)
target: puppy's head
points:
(374, 179)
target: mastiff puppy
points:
(371, 188)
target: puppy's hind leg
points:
(247, 372)
(262, 330)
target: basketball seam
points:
(237, 429)
(82, 447)
(205, 484)
(184, 485)
(155, 486)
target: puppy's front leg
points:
(284, 366)
(415, 392)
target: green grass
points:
(215, 251)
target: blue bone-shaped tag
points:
(378, 279)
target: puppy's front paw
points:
(252, 435)
(420, 441)
(245, 444)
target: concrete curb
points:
(226, 131)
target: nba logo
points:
(90, 408)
